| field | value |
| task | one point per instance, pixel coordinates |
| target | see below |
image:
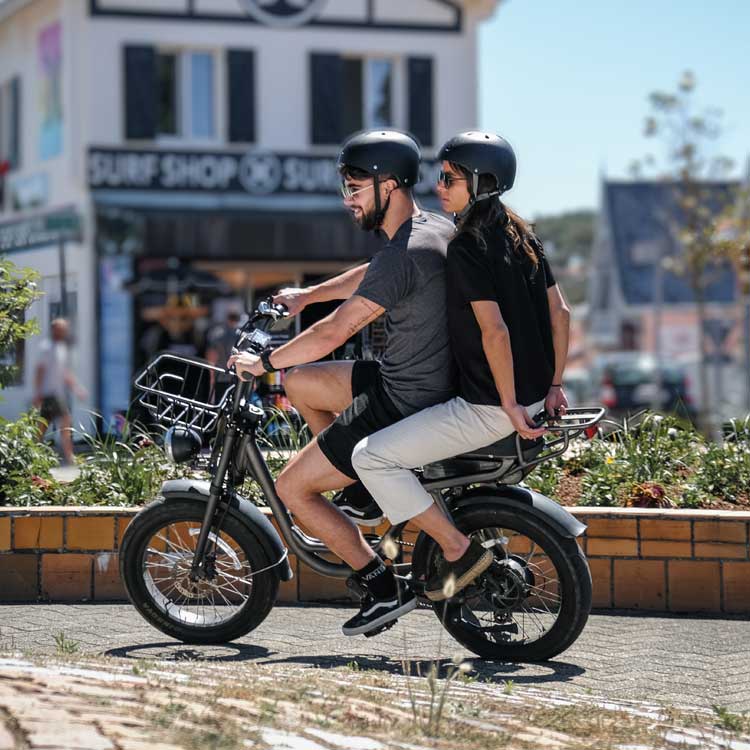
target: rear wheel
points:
(533, 601)
(155, 561)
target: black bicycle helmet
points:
(482, 153)
(383, 152)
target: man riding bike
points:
(344, 402)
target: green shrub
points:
(25, 463)
(724, 471)
(122, 472)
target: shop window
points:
(10, 123)
(170, 94)
(185, 94)
(349, 94)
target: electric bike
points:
(203, 564)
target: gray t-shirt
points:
(408, 278)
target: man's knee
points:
(295, 380)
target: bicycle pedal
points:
(382, 628)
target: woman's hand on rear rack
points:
(246, 363)
(556, 402)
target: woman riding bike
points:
(509, 327)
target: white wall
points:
(282, 71)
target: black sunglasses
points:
(447, 179)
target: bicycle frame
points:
(242, 421)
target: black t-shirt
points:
(520, 289)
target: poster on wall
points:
(50, 91)
(115, 340)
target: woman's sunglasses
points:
(447, 179)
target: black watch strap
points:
(265, 359)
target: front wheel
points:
(533, 601)
(155, 561)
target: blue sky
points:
(567, 84)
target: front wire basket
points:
(183, 391)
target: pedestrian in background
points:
(53, 379)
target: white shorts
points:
(383, 461)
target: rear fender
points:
(240, 508)
(519, 499)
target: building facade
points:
(166, 160)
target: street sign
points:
(44, 229)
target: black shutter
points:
(241, 65)
(140, 92)
(420, 99)
(14, 122)
(326, 74)
(351, 97)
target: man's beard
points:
(368, 222)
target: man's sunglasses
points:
(447, 179)
(347, 193)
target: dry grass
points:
(204, 705)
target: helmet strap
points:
(474, 199)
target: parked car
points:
(626, 382)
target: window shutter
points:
(140, 92)
(350, 118)
(241, 67)
(420, 99)
(326, 74)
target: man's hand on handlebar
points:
(295, 300)
(246, 363)
(522, 423)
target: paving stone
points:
(67, 734)
(7, 740)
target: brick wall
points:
(678, 561)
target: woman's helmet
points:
(482, 153)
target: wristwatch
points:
(265, 359)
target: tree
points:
(692, 167)
(18, 289)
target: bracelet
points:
(265, 359)
(556, 385)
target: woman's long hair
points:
(487, 213)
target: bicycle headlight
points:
(181, 444)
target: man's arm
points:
(342, 286)
(318, 340)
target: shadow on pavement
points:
(178, 652)
(487, 671)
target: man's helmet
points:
(482, 153)
(383, 152)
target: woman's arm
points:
(496, 345)
(559, 313)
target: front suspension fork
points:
(198, 567)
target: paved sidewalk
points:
(675, 661)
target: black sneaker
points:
(456, 575)
(359, 505)
(374, 613)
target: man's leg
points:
(319, 392)
(300, 485)
(65, 423)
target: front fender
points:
(241, 509)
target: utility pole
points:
(745, 287)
